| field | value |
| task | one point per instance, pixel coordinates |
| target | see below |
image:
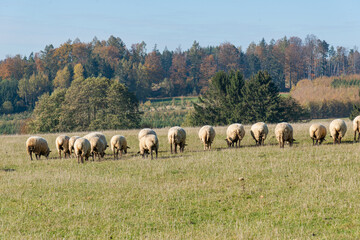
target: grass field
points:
(303, 192)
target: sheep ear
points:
(107, 145)
(294, 140)
(138, 152)
(127, 147)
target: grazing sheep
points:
(97, 147)
(356, 127)
(71, 144)
(62, 144)
(97, 134)
(259, 132)
(337, 130)
(37, 145)
(118, 143)
(147, 144)
(284, 133)
(82, 149)
(234, 134)
(317, 132)
(177, 136)
(146, 131)
(207, 135)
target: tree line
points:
(168, 73)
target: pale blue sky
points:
(28, 26)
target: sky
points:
(28, 26)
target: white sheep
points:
(145, 131)
(177, 136)
(71, 144)
(147, 144)
(284, 133)
(337, 130)
(118, 143)
(38, 146)
(234, 134)
(259, 132)
(62, 144)
(356, 128)
(97, 147)
(82, 149)
(317, 133)
(97, 134)
(207, 135)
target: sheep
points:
(259, 132)
(82, 149)
(62, 144)
(147, 144)
(356, 127)
(207, 135)
(234, 134)
(284, 133)
(71, 144)
(97, 134)
(37, 145)
(177, 136)
(100, 135)
(317, 132)
(97, 147)
(337, 130)
(118, 143)
(145, 131)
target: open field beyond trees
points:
(251, 192)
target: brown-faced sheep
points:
(145, 131)
(356, 128)
(118, 143)
(207, 135)
(62, 144)
(259, 132)
(317, 133)
(147, 144)
(82, 149)
(177, 136)
(284, 133)
(234, 134)
(71, 144)
(38, 146)
(337, 130)
(97, 147)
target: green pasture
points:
(302, 192)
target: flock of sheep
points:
(94, 144)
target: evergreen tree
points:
(221, 104)
(230, 99)
(261, 99)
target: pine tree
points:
(261, 99)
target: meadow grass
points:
(302, 192)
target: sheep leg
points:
(30, 153)
(78, 158)
(339, 140)
(171, 148)
(175, 147)
(121, 153)
(156, 153)
(82, 159)
(355, 136)
(358, 136)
